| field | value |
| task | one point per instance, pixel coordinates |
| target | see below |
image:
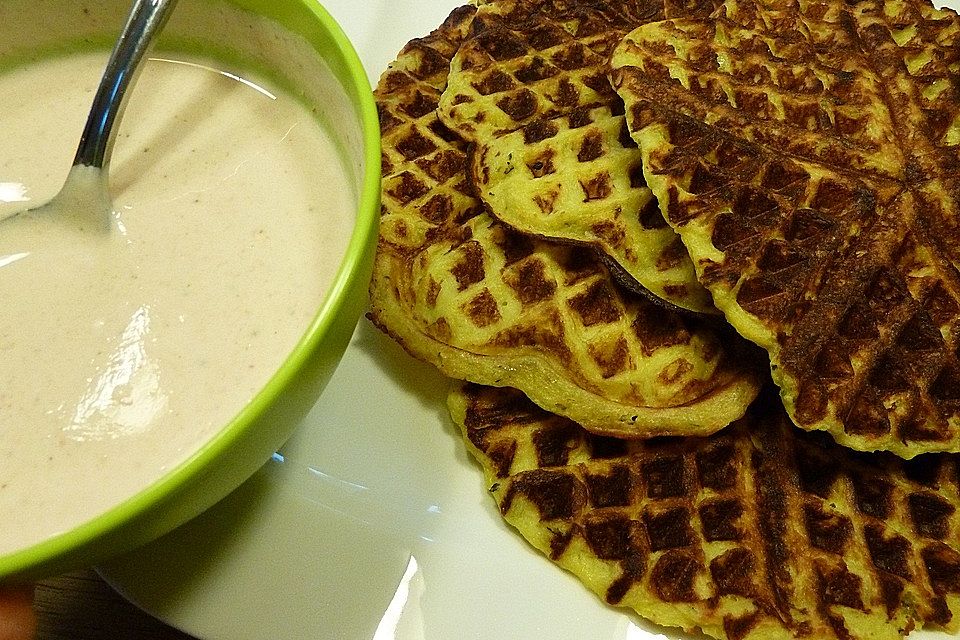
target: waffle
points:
(541, 66)
(809, 161)
(423, 162)
(578, 178)
(533, 59)
(460, 290)
(760, 531)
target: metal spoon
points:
(84, 197)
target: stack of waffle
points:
(606, 218)
(486, 302)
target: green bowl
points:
(247, 442)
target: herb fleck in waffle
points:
(760, 531)
(809, 161)
(484, 303)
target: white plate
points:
(373, 522)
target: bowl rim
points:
(16, 566)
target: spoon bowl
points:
(84, 198)
(302, 52)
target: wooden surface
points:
(81, 606)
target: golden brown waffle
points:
(809, 162)
(460, 290)
(762, 531)
(535, 59)
(541, 65)
(578, 178)
(424, 163)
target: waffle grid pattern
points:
(536, 59)
(759, 531)
(423, 162)
(813, 184)
(529, 64)
(578, 178)
(497, 292)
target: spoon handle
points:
(144, 22)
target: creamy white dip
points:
(121, 352)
